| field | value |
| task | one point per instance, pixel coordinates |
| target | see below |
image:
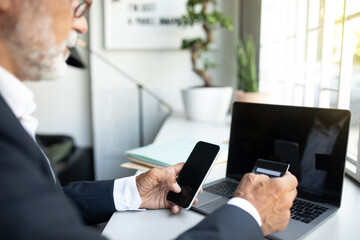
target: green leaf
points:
(189, 43)
(245, 57)
(208, 64)
(211, 19)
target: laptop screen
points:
(312, 140)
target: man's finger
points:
(174, 187)
(171, 183)
(255, 178)
(175, 209)
(293, 193)
(291, 179)
(171, 174)
(175, 169)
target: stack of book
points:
(167, 154)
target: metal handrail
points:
(141, 88)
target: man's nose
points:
(80, 25)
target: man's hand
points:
(272, 197)
(154, 185)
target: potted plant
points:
(205, 102)
(248, 79)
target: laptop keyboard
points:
(301, 211)
(306, 212)
(223, 188)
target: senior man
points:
(35, 36)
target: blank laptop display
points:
(312, 140)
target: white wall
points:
(114, 99)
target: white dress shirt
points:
(126, 196)
(20, 99)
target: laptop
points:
(312, 140)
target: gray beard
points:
(32, 45)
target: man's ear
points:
(5, 5)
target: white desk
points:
(161, 224)
(178, 127)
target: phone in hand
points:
(270, 168)
(194, 173)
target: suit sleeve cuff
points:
(247, 207)
(126, 195)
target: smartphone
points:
(270, 168)
(194, 173)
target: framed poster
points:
(146, 24)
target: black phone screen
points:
(193, 173)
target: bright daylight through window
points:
(310, 56)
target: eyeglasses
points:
(82, 8)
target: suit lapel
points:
(12, 131)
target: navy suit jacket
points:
(32, 206)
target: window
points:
(351, 72)
(310, 56)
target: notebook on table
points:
(169, 153)
(312, 140)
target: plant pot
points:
(207, 103)
(252, 97)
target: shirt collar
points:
(19, 98)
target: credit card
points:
(270, 168)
